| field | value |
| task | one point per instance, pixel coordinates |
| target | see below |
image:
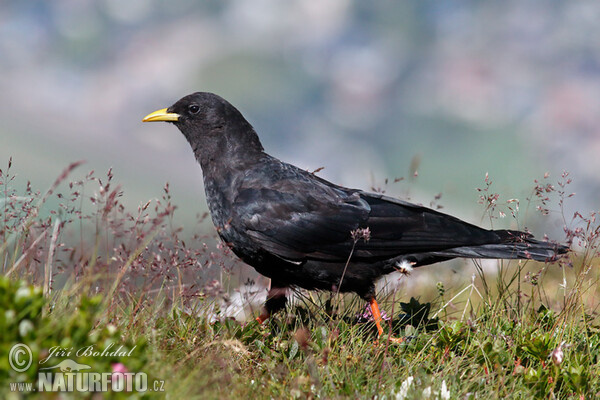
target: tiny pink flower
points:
(119, 367)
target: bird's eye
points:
(194, 108)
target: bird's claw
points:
(385, 339)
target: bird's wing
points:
(297, 220)
(398, 227)
(313, 219)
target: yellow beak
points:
(161, 115)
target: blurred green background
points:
(457, 88)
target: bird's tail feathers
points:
(507, 245)
(514, 245)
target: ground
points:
(81, 273)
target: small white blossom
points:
(427, 392)
(444, 392)
(112, 329)
(25, 327)
(557, 354)
(403, 392)
(404, 267)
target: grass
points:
(80, 271)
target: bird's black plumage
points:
(295, 227)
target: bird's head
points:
(213, 127)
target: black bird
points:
(300, 230)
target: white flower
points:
(24, 292)
(444, 392)
(403, 392)
(112, 329)
(25, 327)
(427, 392)
(557, 354)
(404, 267)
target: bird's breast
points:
(219, 203)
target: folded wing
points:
(313, 219)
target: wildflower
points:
(444, 392)
(118, 371)
(427, 392)
(112, 329)
(557, 354)
(404, 387)
(368, 315)
(361, 233)
(404, 267)
(119, 368)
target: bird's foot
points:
(396, 340)
(276, 301)
(262, 318)
(377, 317)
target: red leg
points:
(377, 317)
(262, 317)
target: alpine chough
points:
(300, 230)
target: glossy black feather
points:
(295, 227)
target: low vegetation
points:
(80, 271)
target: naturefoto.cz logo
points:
(69, 375)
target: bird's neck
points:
(225, 147)
(222, 179)
(223, 157)
(225, 161)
